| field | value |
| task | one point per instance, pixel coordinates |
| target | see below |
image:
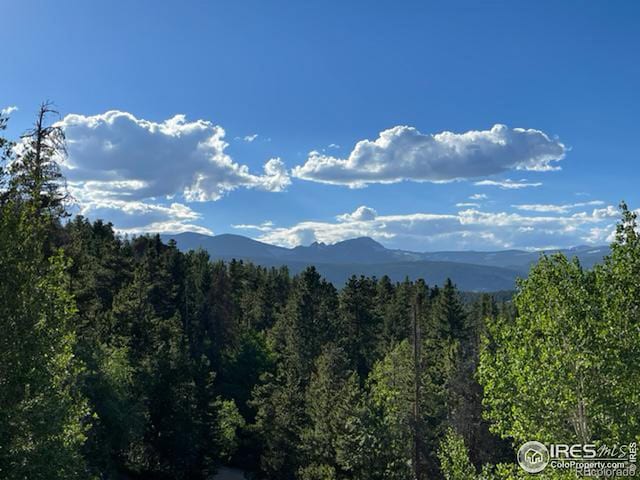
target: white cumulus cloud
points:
(403, 153)
(166, 158)
(124, 167)
(362, 213)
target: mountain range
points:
(470, 270)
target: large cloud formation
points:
(136, 158)
(119, 163)
(468, 228)
(403, 153)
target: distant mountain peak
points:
(362, 242)
(363, 255)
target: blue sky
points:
(312, 79)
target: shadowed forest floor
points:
(225, 473)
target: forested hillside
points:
(469, 270)
(127, 358)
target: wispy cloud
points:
(8, 110)
(266, 226)
(478, 196)
(144, 217)
(508, 184)
(555, 208)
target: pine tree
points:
(395, 313)
(307, 322)
(454, 458)
(465, 393)
(147, 314)
(280, 417)
(331, 405)
(43, 415)
(448, 315)
(392, 390)
(358, 323)
(35, 174)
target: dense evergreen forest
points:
(126, 358)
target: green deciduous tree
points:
(540, 373)
(562, 371)
(617, 416)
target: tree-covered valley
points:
(126, 358)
